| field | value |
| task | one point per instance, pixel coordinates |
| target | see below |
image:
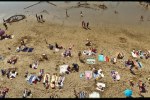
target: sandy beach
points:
(107, 38)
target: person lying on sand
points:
(114, 60)
(12, 60)
(75, 67)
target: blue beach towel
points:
(30, 49)
(31, 78)
(101, 58)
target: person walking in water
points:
(5, 25)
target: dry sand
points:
(108, 39)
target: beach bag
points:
(101, 58)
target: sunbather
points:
(142, 88)
(58, 47)
(12, 60)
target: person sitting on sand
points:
(67, 53)
(141, 86)
(88, 43)
(114, 60)
(58, 47)
(52, 85)
(13, 74)
(34, 65)
(3, 71)
(129, 63)
(27, 93)
(3, 92)
(120, 56)
(44, 56)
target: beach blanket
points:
(88, 75)
(63, 68)
(101, 58)
(31, 78)
(90, 61)
(27, 49)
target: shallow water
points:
(128, 12)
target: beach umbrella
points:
(128, 93)
(2, 32)
(94, 95)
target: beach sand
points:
(108, 39)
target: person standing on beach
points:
(81, 14)
(37, 17)
(87, 25)
(83, 24)
(5, 25)
(66, 13)
(142, 18)
(42, 18)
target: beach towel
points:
(88, 75)
(25, 49)
(90, 61)
(30, 49)
(31, 78)
(100, 84)
(63, 68)
(101, 58)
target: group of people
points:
(40, 18)
(85, 25)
